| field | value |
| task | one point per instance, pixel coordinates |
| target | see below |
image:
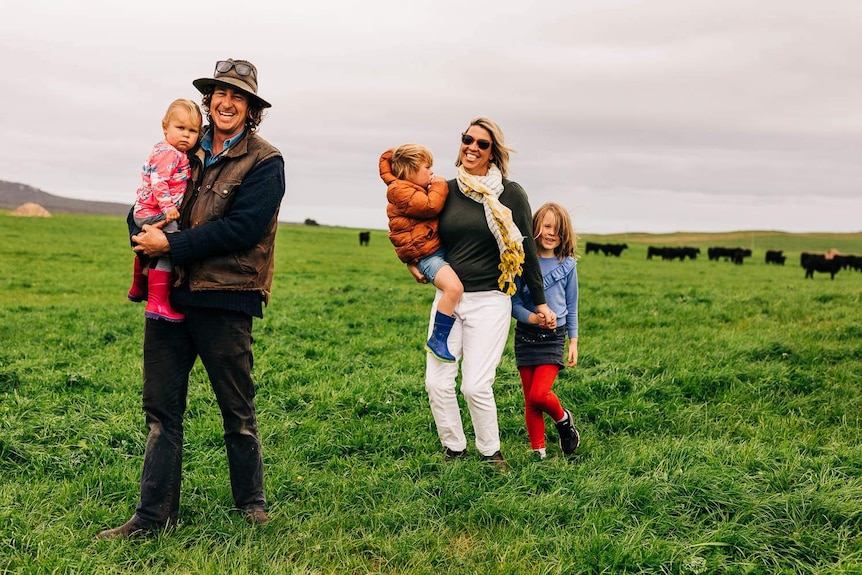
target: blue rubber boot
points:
(436, 345)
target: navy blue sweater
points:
(245, 223)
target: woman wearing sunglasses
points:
(482, 227)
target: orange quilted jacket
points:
(412, 212)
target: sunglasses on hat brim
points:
(224, 66)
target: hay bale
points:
(31, 210)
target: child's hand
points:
(573, 352)
(437, 178)
(417, 274)
(172, 214)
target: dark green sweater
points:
(470, 247)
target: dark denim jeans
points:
(222, 339)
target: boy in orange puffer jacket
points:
(416, 197)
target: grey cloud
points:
(730, 114)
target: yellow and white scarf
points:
(486, 190)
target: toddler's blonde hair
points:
(190, 107)
(407, 159)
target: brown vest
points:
(209, 200)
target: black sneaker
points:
(449, 454)
(570, 439)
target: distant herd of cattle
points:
(830, 262)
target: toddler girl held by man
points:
(164, 179)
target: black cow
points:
(775, 257)
(364, 237)
(666, 253)
(690, 253)
(739, 255)
(853, 262)
(736, 255)
(593, 247)
(716, 253)
(820, 263)
(653, 251)
(614, 249)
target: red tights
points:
(537, 381)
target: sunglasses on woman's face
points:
(467, 139)
(241, 69)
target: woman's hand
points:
(152, 241)
(547, 318)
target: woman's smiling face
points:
(474, 159)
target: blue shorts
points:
(430, 265)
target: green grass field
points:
(720, 409)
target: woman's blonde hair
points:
(565, 230)
(190, 107)
(499, 150)
(407, 159)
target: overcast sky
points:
(638, 116)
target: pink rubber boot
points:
(159, 302)
(138, 291)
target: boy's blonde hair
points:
(407, 159)
(568, 238)
(190, 107)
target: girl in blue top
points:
(539, 352)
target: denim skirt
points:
(537, 346)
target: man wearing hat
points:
(224, 255)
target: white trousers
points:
(482, 321)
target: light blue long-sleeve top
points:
(561, 295)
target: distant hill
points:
(13, 195)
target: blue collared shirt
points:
(207, 146)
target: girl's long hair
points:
(568, 238)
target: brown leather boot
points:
(255, 516)
(497, 461)
(127, 530)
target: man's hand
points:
(152, 240)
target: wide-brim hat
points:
(237, 74)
